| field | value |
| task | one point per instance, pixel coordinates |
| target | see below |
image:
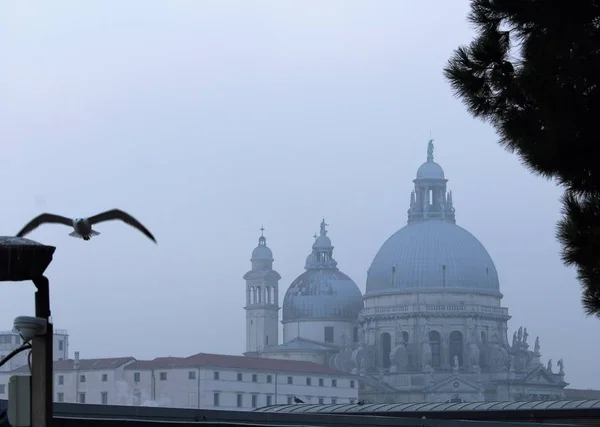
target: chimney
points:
(76, 361)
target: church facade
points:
(430, 327)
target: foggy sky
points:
(206, 119)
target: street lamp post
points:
(21, 260)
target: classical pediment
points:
(453, 384)
(539, 376)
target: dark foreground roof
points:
(435, 407)
(85, 364)
(201, 360)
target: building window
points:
(239, 376)
(308, 381)
(333, 383)
(456, 347)
(351, 383)
(321, 382)
(104, 397)
(61, 379)
(191, 375)
(2, 388)
(215, 399)
(290, 400)
(163, 376)
(215, 375)
(385, 348)
(61, 345)
(104, 378)
(290, 380)
(60, 397)
(81, 397)
(269, 379)
(254, 378)
(240, 400)
(435, 344)
(328, 333)
(333, 401)
(254, 400)
(269, 400)
(355, 335)
(136, 377)
(321, 400)
(81, 378)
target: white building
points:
(10, 341)
(206, 381)
(227, 382)
(430, 327)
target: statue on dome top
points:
(323, 225)
(430, 150)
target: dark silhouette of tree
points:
(533, 72)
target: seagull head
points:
(78, 220)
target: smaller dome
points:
(319, 294)
(323, 242)
(322, 292)
(262, 252)
(430, 170)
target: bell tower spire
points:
(430, 200)
(262, 299)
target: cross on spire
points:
(262, 231)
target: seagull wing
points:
(123, 216)
(43, 219)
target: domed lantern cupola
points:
(429, 199)
(322, 251)
(262, 256)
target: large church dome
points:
(431, 252)
(322, 292)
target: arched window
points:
(456, 347)
(483, 337)
(385, 346)
(273, 295)
(268, 294)
(405, 337)
(435, 342)
(258, 295)
(251, 296)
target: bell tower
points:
(262, 300)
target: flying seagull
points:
(83, 226)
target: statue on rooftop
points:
(536, 347)
(323, 225)
(561, 366)
(430, 150)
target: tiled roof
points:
(85, 364)
(233, 362)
